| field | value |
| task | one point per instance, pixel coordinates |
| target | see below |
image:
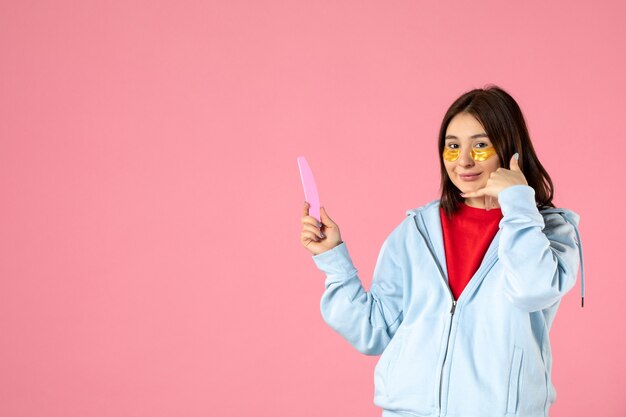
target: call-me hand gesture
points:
(499, 180)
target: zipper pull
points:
(453, 307)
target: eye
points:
(482, 145)
(452, 145)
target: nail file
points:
(310, 189)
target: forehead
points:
(464, 125)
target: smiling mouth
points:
(469, 176)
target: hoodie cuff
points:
(335, 261)
(519, 200)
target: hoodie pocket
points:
(514, 381)
(385, 363)
(406, 377)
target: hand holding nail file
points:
(310, 189)
(319, 232)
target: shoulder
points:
(398, 239)
(559, 214)
(429, 208)
(429, 212)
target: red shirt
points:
(466, 237)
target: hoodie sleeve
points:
(367, 320)
(540, 257)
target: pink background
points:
(150, 262)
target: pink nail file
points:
(310, 189)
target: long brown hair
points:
(504, 123)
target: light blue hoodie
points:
(487, 354)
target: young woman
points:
(465, 288)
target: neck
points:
(476, 202)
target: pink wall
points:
(150, 262)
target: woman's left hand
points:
(499, 180)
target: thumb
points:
(326, 220)
(514, 163)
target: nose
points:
(465, 159)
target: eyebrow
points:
(476, 136)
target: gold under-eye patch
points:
(483, 154)
(450, 154)
(476, 154)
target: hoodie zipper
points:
(488, 263)
(443, 277)
(445, 355)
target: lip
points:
(469, 177)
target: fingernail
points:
(319, 224)
(322, 235)
(516, 156)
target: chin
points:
(465, 188)
(470, 189)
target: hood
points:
(573, 218)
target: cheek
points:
(449, 166)
(492, 164)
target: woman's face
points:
(464, 134)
